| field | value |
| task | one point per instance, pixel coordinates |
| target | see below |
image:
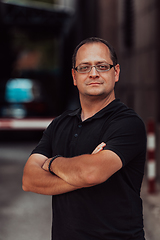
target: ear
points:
(74, 77)
(117, 72)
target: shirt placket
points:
(75, 137)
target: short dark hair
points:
(93, 40)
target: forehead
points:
(93, 52)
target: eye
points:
(83, 68)
(103, 67)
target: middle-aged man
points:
(92, 159)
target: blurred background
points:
(37, 39)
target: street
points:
(25, 215)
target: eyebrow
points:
(95, 63)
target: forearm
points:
(88, 169)
(35, 179)
(77, 171)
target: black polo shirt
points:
(113, 209)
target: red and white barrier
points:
(24, 124)
(151, 163)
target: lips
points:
(94, 83)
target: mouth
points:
(94, 83)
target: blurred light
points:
(19, 91)
(14, 111)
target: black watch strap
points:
(49, 166)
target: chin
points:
(96, 94)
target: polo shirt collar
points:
(106, 110)
(75, 112)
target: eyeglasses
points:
(86, 68)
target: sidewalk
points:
(151, 211)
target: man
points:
(92, 159)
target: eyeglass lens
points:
(99, 67)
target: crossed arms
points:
(71, 173)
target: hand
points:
(99, 148)
(46, 164)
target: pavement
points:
(151, 211)
(23, 215)
(26, 215)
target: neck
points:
(91, 106)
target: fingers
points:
(45, 164)
(99, 148)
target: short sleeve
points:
(44, 146)
(127, 138)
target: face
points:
(95, 84)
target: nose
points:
(93, 73)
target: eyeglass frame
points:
(111, 65)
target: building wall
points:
(108, 21)
(138, 86)
(132, 28)
(138, 62)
